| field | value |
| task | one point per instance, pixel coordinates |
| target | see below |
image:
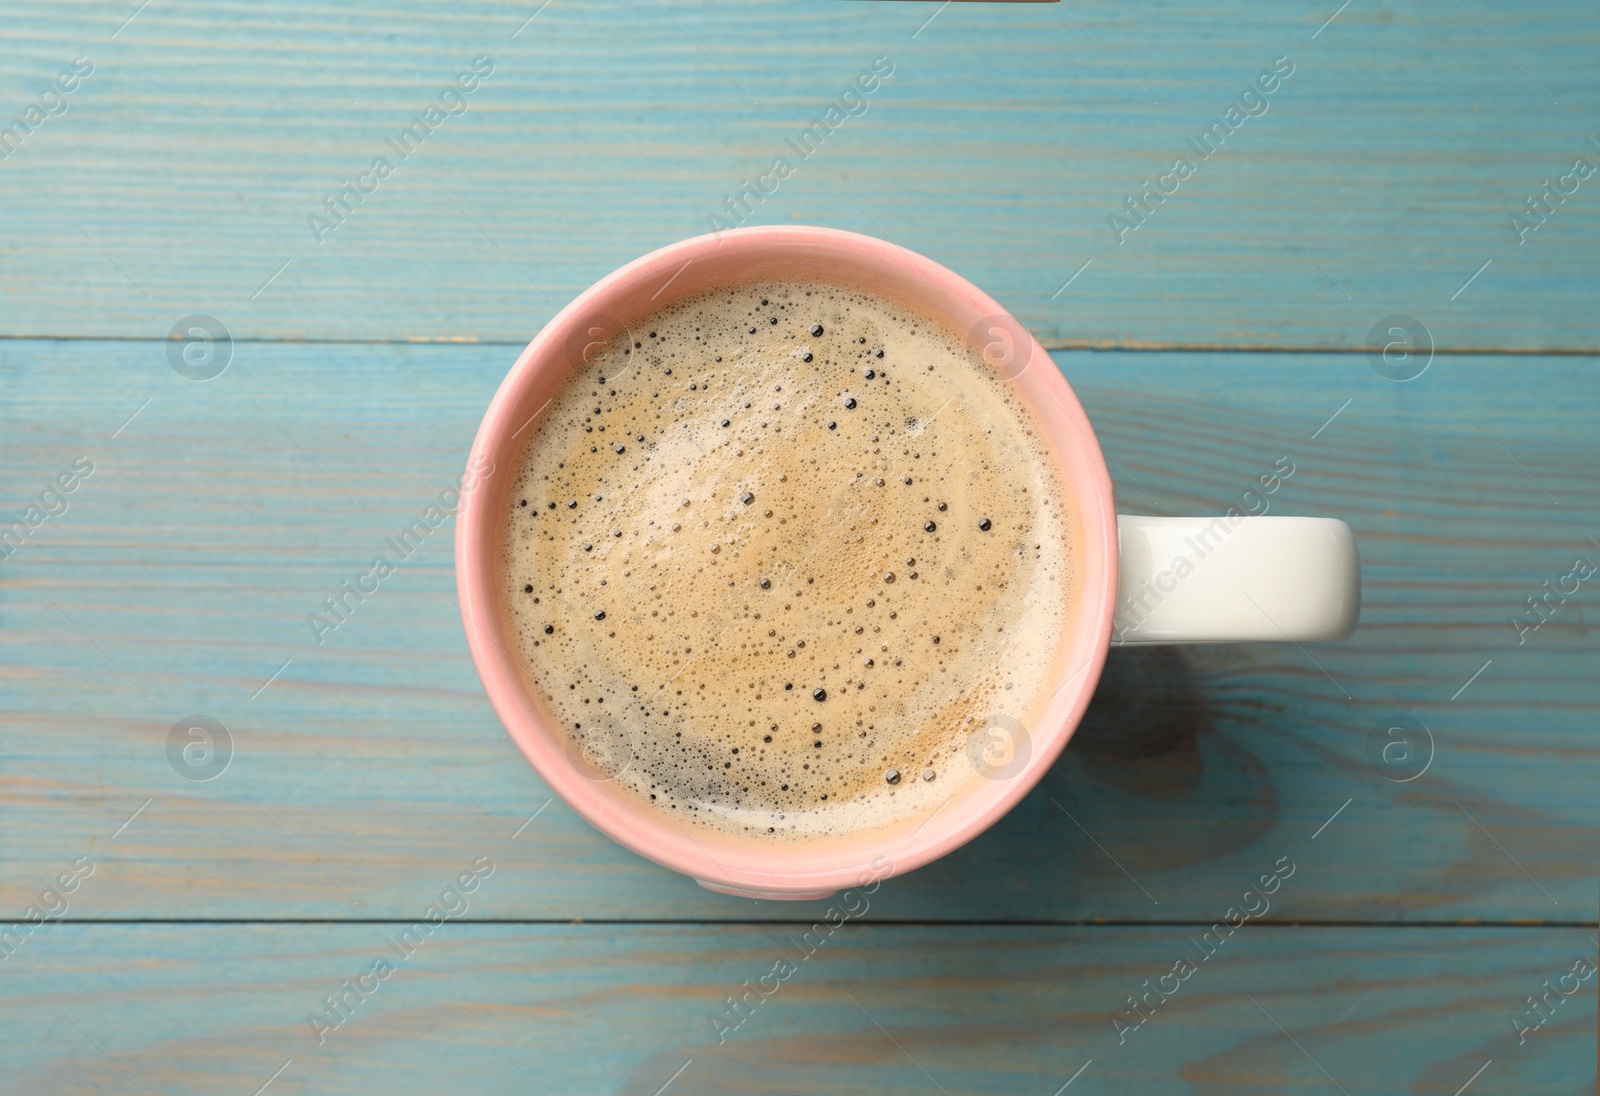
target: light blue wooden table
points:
(166, 161)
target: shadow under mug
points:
(1230, 578)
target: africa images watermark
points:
(1211, 941)
(342, 1003)
(1582, 570)
(1254, 101)
(339, 204)
(351, 594)
(51, 906)
(854, 902)
(741, 204)
(49, 503)
(1138, 606)
(1541, 204)
(1526, 1021)
(51, 102)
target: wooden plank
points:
(866, 1009)
(1383, 176)
(180, 580)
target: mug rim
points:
(802, 868)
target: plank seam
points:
(1048, 344)
(801, 922)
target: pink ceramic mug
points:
(1144, 580)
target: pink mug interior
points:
(724, 863)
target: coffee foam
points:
(746, 567)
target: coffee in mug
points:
(775, 550)
(787, 616)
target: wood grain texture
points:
(368, 772)
(1385, 173)
(371, 770)
(874, 1009)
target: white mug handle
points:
(1235, 579)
